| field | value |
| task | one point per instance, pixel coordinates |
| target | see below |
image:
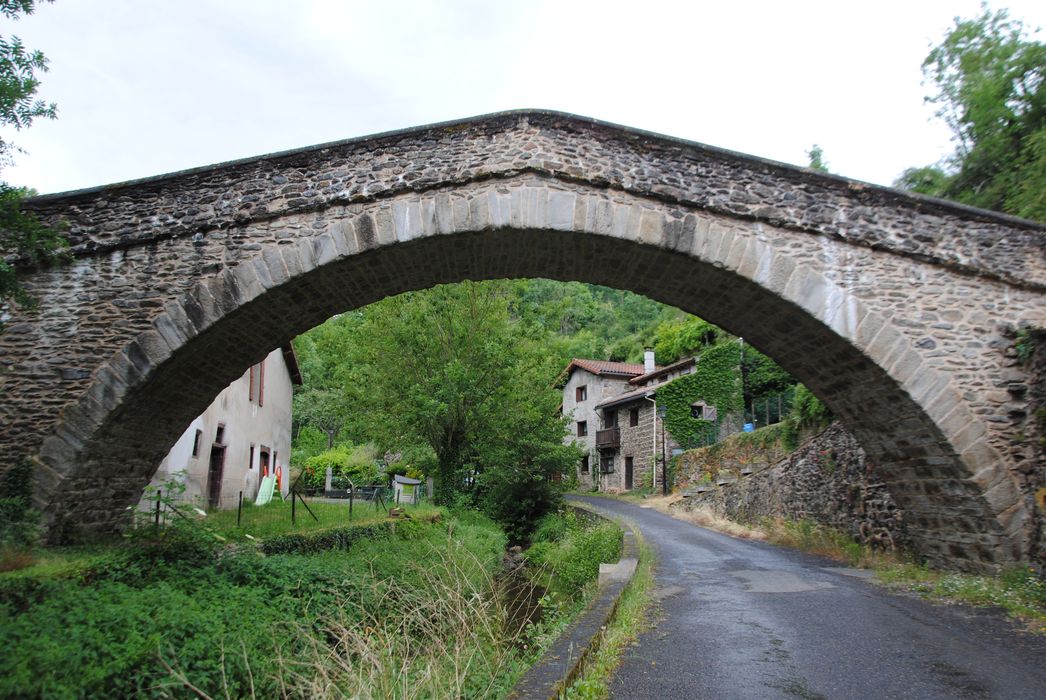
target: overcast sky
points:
(152, 86)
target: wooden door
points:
(628, 473)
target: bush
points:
(347, 463)
(341, 538)
(516, 500)
(575, 549)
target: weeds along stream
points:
(423, 610)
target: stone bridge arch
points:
(894, 309)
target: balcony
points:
(609, 438)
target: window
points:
(606, 464)
(610, 419)
(261, 383)
(702, 411)
(219, 434)
(582, 428)
(633, 417)
(581, 393)
(196, 443)
(250, 459)
(584, 464)
(256, 384)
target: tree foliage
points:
(680, 338)
(990, 80)
(452, 370)
(23, 240)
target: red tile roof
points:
(685, 362)
(604, 367)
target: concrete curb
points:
(558, 667)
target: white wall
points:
(246, 423)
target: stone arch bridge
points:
(899, 311)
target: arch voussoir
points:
(895, 332)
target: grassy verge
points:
(631, 618)
(568, 549)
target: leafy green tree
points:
(24, 242)
(990, 79)
(674, 340)
(330, 389)
(450, 368)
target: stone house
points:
(242, 436)
(613, 408)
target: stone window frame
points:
(581, 393)
(582, 428)
(633, 417)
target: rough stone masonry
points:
(898, 310)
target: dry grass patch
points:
(706, 517)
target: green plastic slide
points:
(265, 490)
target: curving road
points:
(743, 619)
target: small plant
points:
(1025, 345)
(19, 521)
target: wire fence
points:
(239, 514)
(769, 409)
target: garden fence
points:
(237, 512)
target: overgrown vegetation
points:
(569, 548)
(19, 521)
(632, 616)
(22, 236)
(409, 613)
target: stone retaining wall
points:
(827, 480)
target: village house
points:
(244, 435)
(613, 409)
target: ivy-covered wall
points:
(716, 380)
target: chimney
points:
(648, 361)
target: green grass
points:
(568, 550)
(158, 617)
(61, 562)
(631, 617)
(275, 518)
(1018, 591)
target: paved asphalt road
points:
(744, 619)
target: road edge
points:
(557, 668)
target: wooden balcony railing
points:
(611, 437)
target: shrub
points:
(18, 520)
(346, 462)
(516, 500)
(339, 538)
(576, 548)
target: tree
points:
(990, 80)
(449, 368)
(23, 240)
